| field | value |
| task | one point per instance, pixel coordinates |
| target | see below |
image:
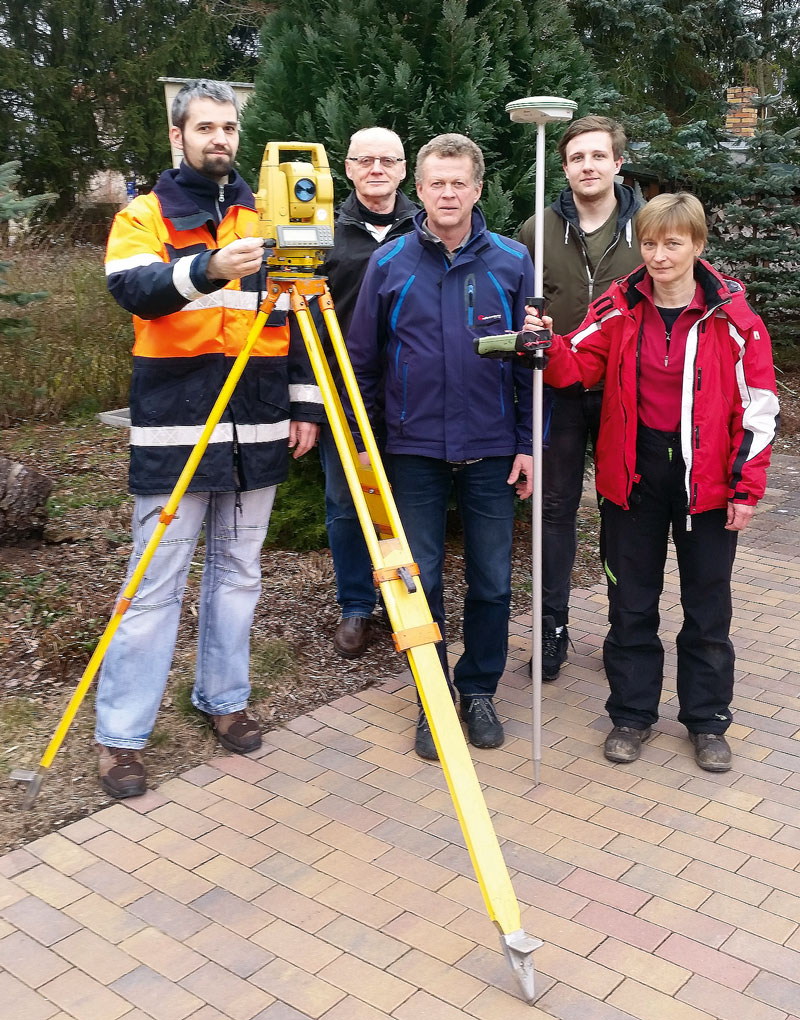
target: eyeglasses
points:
(367, 162)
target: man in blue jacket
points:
(453, 420)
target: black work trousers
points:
(633, 545)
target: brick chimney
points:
(741, 118)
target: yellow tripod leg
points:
(416, 634)
(36, 779)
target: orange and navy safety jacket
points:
(729, 406)
(188, 331)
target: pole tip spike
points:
(34, 786)
(518, 949)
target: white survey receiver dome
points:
(541, 109)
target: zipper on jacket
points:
(590, 276)
(405, 397)
(470, 300)
(628, 485)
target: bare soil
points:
(57, 595)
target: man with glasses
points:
(454, 421)
(373, 213)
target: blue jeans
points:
(421, 488)
(135, 669)
(355, 589)
(575, 419)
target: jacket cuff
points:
(740, 496)
(198, 279)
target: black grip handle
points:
(537, 303)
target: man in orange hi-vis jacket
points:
(185, 261)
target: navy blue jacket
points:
(413, 327)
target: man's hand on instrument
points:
(241, 257)
(302, 437)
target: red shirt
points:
(661, 360)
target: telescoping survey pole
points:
(538, 110)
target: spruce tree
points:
(756, 235)
(79, 89)
(668, 56)
(432, 66)
(12, 207)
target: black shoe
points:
(352, 637)
(484, 729)
(624, 743)
(711, 751)
(423, 741)
(554, 648)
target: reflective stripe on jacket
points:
(729, 408)
(188, 331)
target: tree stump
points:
(23, 502)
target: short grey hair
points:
(201, 88)
(451, 145)
(363, 133)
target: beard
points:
(215, 164)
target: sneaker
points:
(711, 751)
(554, 648)
(624, 743)
(121, 771)
(237, 732)
(423, 741)
(484, 728)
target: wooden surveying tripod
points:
(414, 630)
(395, 572)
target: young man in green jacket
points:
(589, 241)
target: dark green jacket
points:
(569, 284)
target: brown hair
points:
(586, 124)
(680, 213)
(451, 145)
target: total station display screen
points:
(298, 235)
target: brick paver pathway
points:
(326, 877)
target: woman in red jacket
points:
(689, 414)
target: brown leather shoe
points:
(237, 732)
(352, 637)
(624, 743)
(122, 772)
(711, 751)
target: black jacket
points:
(353, 244)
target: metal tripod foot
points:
(34, 782)
(518, 949)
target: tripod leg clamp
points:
(403, 573)
(425, 634)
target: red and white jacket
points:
(729, 406)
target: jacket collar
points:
(627, 205)
(479, 231)
(717, 290)
(348, 213)
(182, 193)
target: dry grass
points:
(75, 359)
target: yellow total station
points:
(295, 207)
